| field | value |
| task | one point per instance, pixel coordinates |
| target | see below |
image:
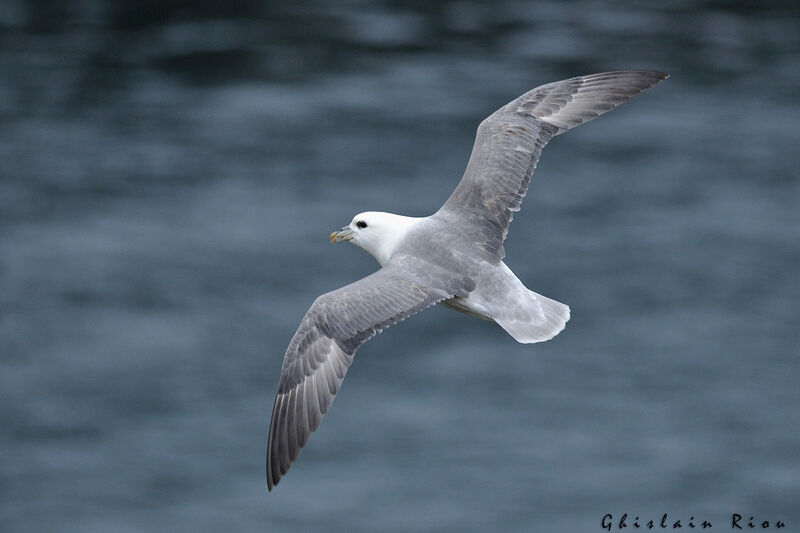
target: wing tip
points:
(271, 480)
(660, 76)
(655, 77)
(273, 474)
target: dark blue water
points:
(169, 173)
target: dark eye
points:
(361, 224)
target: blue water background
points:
(169, 174)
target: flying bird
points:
(453, 257)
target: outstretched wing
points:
(335, 326)
(509, 142)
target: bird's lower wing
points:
(508, 144)
(322, 349)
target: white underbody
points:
(499, 295)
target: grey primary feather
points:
(322, 349)
(508, 144)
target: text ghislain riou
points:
(737, 521)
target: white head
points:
(375, 232)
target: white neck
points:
(383, 234)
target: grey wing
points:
(335, 326)
(509, 142)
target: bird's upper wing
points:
(335, 326)
(509, 142)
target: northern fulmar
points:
(453, 257)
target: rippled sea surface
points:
(170, 171)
